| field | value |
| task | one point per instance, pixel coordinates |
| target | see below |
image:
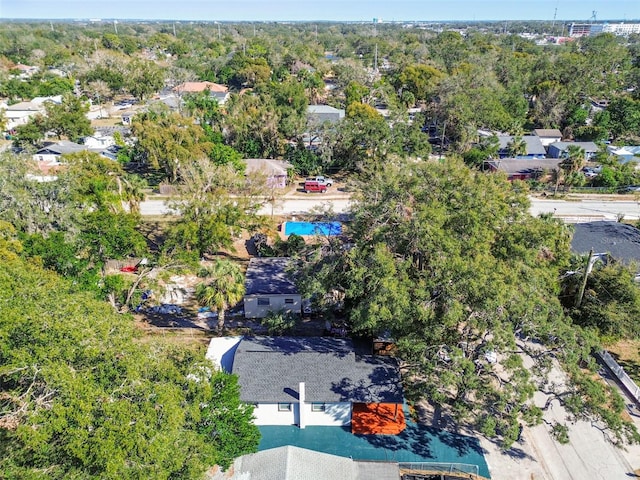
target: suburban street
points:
(575, 210)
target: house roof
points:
(588, 147)
(24, 107)
(61, 148)
(267, 166)
(620, 240)
(518, 166)
(194, 87)
(271, 368)
(548, 132)
(325, 110)
(294, 463)
(269, 276)
(534, 145)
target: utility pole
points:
(115, 26)
(174, 29)
(444, 129)
(218, 31)
(375, 59)
(583, 284)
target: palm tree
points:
(224, 286)
(574, 160)
(517, 146)
(491, 146)
(557, 175)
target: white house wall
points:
(276, 303)
(335, 414)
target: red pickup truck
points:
(314, 187)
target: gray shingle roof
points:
(533, 142)
(269, 276)
(294, 463)
(588, 147)
(620, 240)
(271, 368)
(514, 166)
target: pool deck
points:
(416, 443)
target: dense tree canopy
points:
(449, 263)
(81, 398)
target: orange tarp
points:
(377, 418)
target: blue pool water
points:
(313, 228)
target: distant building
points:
(548, 135)
(217, 91)
(559, 149)
(621, 29)
(276, 171)
(534, 147)
(319, 114)
(590, 29)
(51, 153)
(626, 154)
(518, 169)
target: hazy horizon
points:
(328, 10)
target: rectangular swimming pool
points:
(313, 228)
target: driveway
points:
(538, 456)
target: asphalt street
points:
(573, 210)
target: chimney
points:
(301, 400)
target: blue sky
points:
(261, 10)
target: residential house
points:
(275, 171)
(127, 117)
(20, 113)
(319, 114)
(295, 463)
(607, 238)
(626, 154)
(533, 144)
(217, 91)
(560, 149)
(51, 153)
(269, 287)
(98, 141)
(548, 135)
(519, 169)
(310, 381)
(26, 71)
(57, 99)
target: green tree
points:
(449, 263)
(168, 140)
(68, 118)
(223, 287)
(143, 78)
(611, 300)
(83, 397)
(210, 217)
(420, 80)
(31, 133)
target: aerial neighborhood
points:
(308, 250)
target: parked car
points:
(591, 172)
(630, 188)
(312, 186)
(320, 179)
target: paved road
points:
(288, 206)
(573, 211)
(587, 209)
